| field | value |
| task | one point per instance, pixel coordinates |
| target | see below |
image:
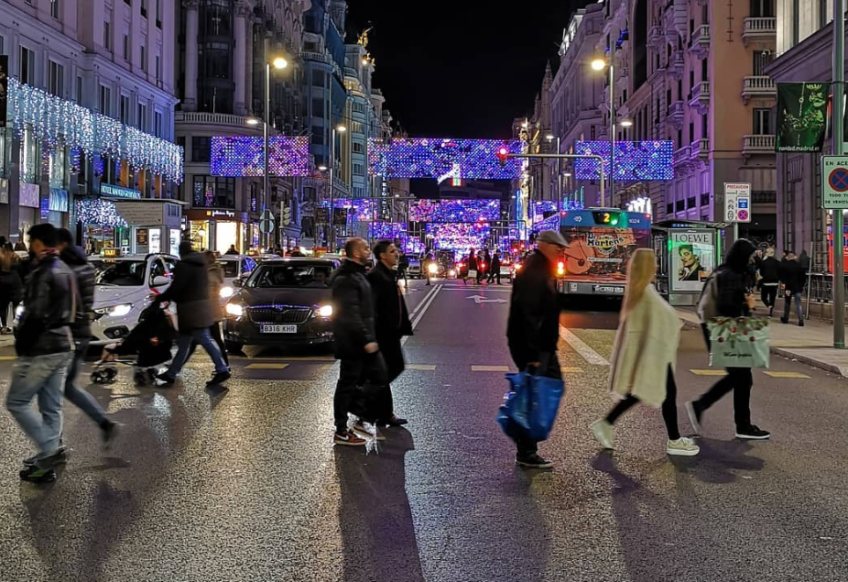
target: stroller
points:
(151, 341)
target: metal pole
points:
(559, 177)
(265, 143)
(331, 236)
(838, 216)
(612, 129)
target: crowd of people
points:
(788, 275)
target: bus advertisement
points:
(600, 243)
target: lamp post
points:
(550, 138)
(599, 65)
(332, 237)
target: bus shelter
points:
(688, 253)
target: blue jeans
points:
(799, 310)
(42, 377)
(78, 396)
(202, 337)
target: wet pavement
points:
(246, 485)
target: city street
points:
(246, 484)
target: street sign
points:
(835, 182)
(737, 202)
(266, 223)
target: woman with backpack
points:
(644, 353)
(728, 294)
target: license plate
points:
(612, 290)
(269, 328)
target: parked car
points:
(124, 287)
(283, 302)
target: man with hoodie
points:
(794, 279)
(43, 342)
(75, 259)
(770, 273)
(190, 291)
(729, 297)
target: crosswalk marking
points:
(586, 352)
(797, 375)
(8, 358)
(490, 368)
(266, 366)
(421, 367)
(572, 370)
(709, 372)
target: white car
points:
(125, 286)
(235, 267)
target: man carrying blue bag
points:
(532, 334)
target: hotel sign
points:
(118, 191)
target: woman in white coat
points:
(644, 355)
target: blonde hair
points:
(640, 273)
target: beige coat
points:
(645, 345)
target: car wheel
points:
(233, 347)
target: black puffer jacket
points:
(533, 325)
(353, 324)
(391, 315)
(11, 286)
(75, 258)
(190, 291)
(50, 300)
(732, 280)
(770, 270)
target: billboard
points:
(692, 253)
(801, 116)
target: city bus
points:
(600, 243)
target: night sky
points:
(461, 68)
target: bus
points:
(600, 243)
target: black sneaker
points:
(38, 474)
(60, 457)
(533, 461)
(801, 323)
(219, 378)
(109, 431)
(784, 320)
(164, 379)
(752, 433)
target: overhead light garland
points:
(61, 123)
(472, 159)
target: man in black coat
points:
(190, 291)
(533, 325)
(363, 379)
(770, 273)
(794, 279)
(495, 271)
(391, 321)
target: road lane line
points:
(422, 367)
(423, 302)
(709, 372)
(795, 375)
(587, 353)
(266, 366)
(490, 368)
(419, 313)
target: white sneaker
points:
(361, 429)
(684, 447)
(603, 432)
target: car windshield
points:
(121, 273)
(230, 269)
(314, 275)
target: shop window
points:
(57, 168)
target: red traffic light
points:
(503, 154)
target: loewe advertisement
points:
(692, 256)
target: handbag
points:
(472, 273)
(530, 406)
(739, 342)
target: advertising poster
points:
(801, 116)
(692, 256)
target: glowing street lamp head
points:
(322, 168)
(598, 64)
(279, 63)
(253, 121)
(626, 123)
(549, 137)
(341, 128)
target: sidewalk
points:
(811, 344)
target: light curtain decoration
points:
(59, 122)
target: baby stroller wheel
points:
(111, 374)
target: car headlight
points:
(227, 292)
(433, 269)
(325, 311)
(452, 273)
(115, 310)
(235, 309)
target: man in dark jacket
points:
(75, 259)
(391, 322)
(533, 325)
(43, 342)
(495, 271)
(794, 279)
(362, 364)
(770, 273)
(732, 298)
(190, 291)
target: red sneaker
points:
(348, 438)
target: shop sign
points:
(58, 200)
(221, 213)
(119, 192)
(28, 195)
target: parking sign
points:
(737, 202)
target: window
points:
(107, 35)
(318, 108)
(125, 110)
(54, 8)
(358, 170)
(764, 8)
(358, 192)
(201, 148)
(358, 107)
(27, 72)
(157, 124)
(358, 148)
(56, 81)
(105, 100)
(318, 78)
(143, 57)
(144, 8)
(159, 13)
(762, 122)
(79, 90)
(141, 118)
(126, 47)
(705, 199)
(761, 60)
(214, 192)
(318, 135)
(356, 127)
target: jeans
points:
(669, 407)
(42, 377)
(78, 396)
(218, 337)
(362, 390)
(184, 343)
(799, 311)
(768, 294)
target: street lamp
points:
(599, 64)
(332, 238)
(278, 63)
(550, 138)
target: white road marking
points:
(478, 299)
(422, 308)
(490, 368)
(587, 353)
(422, 367)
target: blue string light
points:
(472, 159)
(635, 161)
(238, 156)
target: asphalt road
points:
(246, 485)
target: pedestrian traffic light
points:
(503, 154)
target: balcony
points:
(759, 29)
(758, 86)
(699, 98)
(758, 144)
(677, 113)
(676, 65)
(205, 118)
(681, 156)
(700, 148)
(656, 36)
(699, 44)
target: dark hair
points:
(689, 248)
(65, 237)
(45, 232)
(186, 248)
(350, 246)
(381, 247)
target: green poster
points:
(801, 116)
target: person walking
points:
(43, 342)
(533, 326)
(484, 263)
(495, 271)
(644, 354)
(391, 323)
(730, 296)
(190, 291)
(75, 259)
(216, 282)
(428, 260)
(770, 279)
(472, 263)
(794, 280)
(362, 375)
(11, 289)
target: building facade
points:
(91, 114)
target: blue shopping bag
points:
(530, 406)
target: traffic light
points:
(287, 214)
(503, 154)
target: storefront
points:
(129, 226)
(29, 203)
(218, 230)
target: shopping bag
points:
(739, 342)
(530, 406)
(472, 274)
